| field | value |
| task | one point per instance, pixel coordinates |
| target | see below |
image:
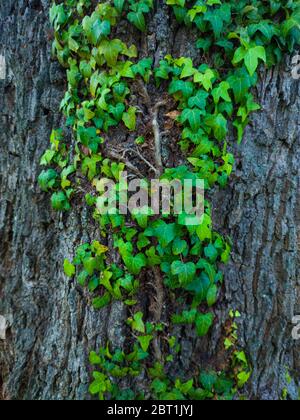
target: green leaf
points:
(129, 118)
(266, 27)
(145, 341)
(221, 92)
(111, 50)
(94, 358)
(179, 246)
(188, 69)
(204, 323)
(143, 67)
(243, 378)
(138, 20)
(219, 125)
(211, 252)
(179, 86)
(69, 268)
(165, 233)
(138, 323)
(241, 356)
(208, 380)
(217, 18)
(187, 317)
(240, 82)
(119, 5)
(206, 79)
(199, 100)
(212, 295)
(58, 16)
(95, 29)
(135, 264)
(204, 230)
(250, 57)
(184, 387)
(180, 3)
(185, 272)
(59, 201)
(101, 302)
(193, 116)
(47, 179)
(159, 386)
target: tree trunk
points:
(50, 324)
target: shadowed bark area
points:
(50, 324)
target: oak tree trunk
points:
(50, 326)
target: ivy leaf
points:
(95, 28)
(243, 378)
(129, 118)
(99, 29)
(221, 92)
(179, 246)
(180, 3)
(217, 18)
(291, 23)
(208, 380)
(212, 295)
(69, 268)
(119, 5)
(204, 323)
(193, 116)
(199, 100)
(137, 323)
(135, 263)
(188, 69)
(240, 82)
(145, 342)
(111, 50)
(185, 272)
(58, 16)
(204, 230)
(185, 88)
(187, 317)
(266, 27)
(143, 68)
(94, 358)
(159, 386)
(211, 252)
(199, 287)
(47, 179)
(250, 57)
(101, 302)
(165, 233)
(117, 111)
(205, 79)
(60, 201)
(138, 20)
(219, 125)
(204, 44)
(153, 258)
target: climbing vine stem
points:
(178, 266)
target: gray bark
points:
(50, 324)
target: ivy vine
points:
(203, 103)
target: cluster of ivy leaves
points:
(234, 37)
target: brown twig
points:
(157, 137)
(155, 125)
(114, 155)
(138, 153)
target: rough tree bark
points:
(50, 325)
